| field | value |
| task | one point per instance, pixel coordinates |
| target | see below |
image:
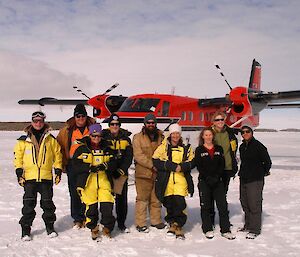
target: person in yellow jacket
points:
(95, 166)
(35, 155)
(174, 161)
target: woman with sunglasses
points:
(255, 165)
(95, 165)
(209, 160)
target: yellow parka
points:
(37, 160)
(177, 182)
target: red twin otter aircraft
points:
(242, 104)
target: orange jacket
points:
(64, 137)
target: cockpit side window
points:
(139, 105)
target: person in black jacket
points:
(255, 165)
(119, 141)
(209, 160)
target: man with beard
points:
(144, 145)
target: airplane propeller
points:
(80, 91)
(222, 74)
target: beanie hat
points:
(174, 128)
(95, 128)
(38, 114)
(113, 117)
(247, 127)
(80, 109)
(149, 116)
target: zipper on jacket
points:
(33, 154)
(45, 151)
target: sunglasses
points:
(219, 119)
(245, 132)
(80, 116)
(150, 122)
(114, 124)
(38, 121)
(94, 136)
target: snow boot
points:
(124, 229)
(26, 233)
(143, 229)
(228, 235)
(106, 232)
(251, 235)
(172, 229)
(50, 230)
(95, 232)
(209, 234)
(159, 225)
(179, 233)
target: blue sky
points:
(147, 46)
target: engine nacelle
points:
(241, 105)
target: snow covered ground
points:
(281, 216)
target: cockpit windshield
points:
(139, 105)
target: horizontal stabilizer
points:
(283, 106)
(275, 97)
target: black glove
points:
(212, 181)
(58, 173)
(170, 166)
(21, 179)
(116, 173)
(99, 167)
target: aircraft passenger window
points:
(207, 116)
(201, 116)
(183, 116)
(191, 116)
(139, 105)
(165, 109)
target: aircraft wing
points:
(52, 101)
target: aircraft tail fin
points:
(255, 76)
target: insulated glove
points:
(57, 176)
(19, 173)
(102, 166)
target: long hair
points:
(201, 141)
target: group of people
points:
(97, 160)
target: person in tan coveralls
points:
(144, 145)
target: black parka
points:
(255, 161)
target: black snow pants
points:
(107, 218)
(30, 200)
(175, 205)
(216, 192)
(122, 206)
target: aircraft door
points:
(165, 109)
